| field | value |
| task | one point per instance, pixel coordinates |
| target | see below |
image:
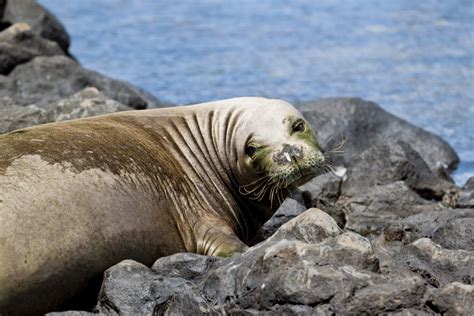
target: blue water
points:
(414, 58)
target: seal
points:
(77, 197)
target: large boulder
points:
(365, 124)
(42, 22)
(44, 80)
(19, 44)
(85, 103)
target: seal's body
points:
(77, 197)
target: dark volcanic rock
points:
(85, 103)
(41, 20)
(395, 161)
(365, 124)
(18, 44)
(64, 78)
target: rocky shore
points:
(388, 233)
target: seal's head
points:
(278, 151)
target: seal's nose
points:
(288, 153)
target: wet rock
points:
(85, 103)
(19, 44)
(365, 124)
(383, 206)
(453, 299)
(42, 22)
(311, 226)
(391, 162)
(26, 84)
(289, 209)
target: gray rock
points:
(311, 227)
(391, 162)
(290, 208)
(431, 222)
(73, 313)
(64, 78)
(381, 207)
(326, 187)
(18, 44)
(466, 196)
(14, 117)
(365, 124)
(85, 103)
(42, 22)
(131, 288)
(453, 299)
(456, 234)
(438, 266)
(189, 266)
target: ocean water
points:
(414, 58)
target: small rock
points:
(19, 44)
(326, 187)
(290, 208)
(453, 299)
(440, 265)
(466, 196)
(382, 207)
(189, 266)
(426, 223)
(65, 78)
(85, 103)
(42, 22)
(456, 234)
(131, 288)
(311, 227)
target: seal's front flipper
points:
(220, 241)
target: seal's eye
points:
(299, 127)
(250, 150)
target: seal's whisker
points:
(262, 192)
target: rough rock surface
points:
(85, 103)
(41, 20)
(19, 44)
(309, 266)
(26, 84)
(365, 124)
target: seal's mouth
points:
(282, 181)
